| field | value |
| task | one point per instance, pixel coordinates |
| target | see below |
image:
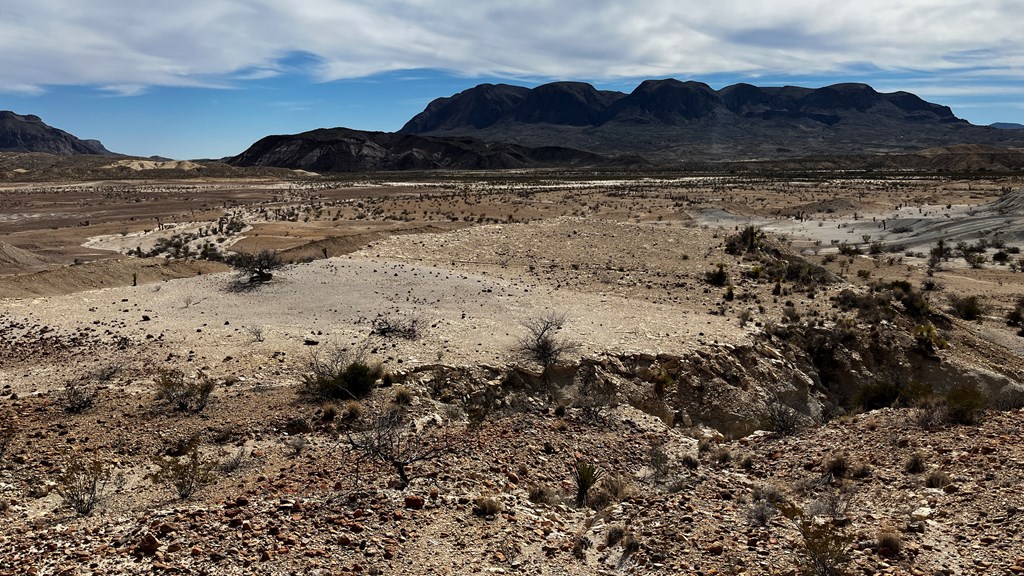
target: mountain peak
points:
(28, 133)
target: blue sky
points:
(206, 78)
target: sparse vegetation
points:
(967, 307)
(542, 344)
(84, 484)
(392, 326)
(186, 475)
(391, 440)
(183, 393)
(333, 373)
(586, 475)
(256, 266)
(825, 550)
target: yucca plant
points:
(586, 474)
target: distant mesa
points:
(1007, 126)
(29, 133)
(662, 122)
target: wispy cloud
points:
(127, 45)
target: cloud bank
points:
(125, 46)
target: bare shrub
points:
(185, 394)
(781, 418)
(393, 441)
(657, 459)
(389, 326)
(542, 343)
(761, 512)
(185, 475)
(77, 396)
(542, 494)
(84, 483)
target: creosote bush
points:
(78, 396)
(718, 276)
(825, 550)
(84, 483)
(184, 394)
(185, 475)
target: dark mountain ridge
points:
(345, 150)
(29, 133)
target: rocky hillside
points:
(344, 150)
(670, 120)
(30, 134)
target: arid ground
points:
(772, 374)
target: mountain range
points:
(30, 134)
(661, 122)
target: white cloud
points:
(129, 45)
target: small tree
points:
(258, 266)
(541, 343)
(392, 441)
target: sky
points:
(207, 78)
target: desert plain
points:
(762, 369)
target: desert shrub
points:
(690, 461)
(542, 343)
(832, 504)
(861, 470)
(1015, 317)
(847, 249)
(749, 239)
(335, 374)
(329, 412)
(185, 394)
(234, 462)
(761, 512)
(889, 543)
(585, 475)
(967, 307)
(487, 506)
(615, 535)
(781, 418)
(878, 394)
(390, 440)
(723, 456)
(403, 397)
(964, 404)
(975, 259)
(542, 494)
(838, 466)
(257, 266)
(657, 459)
(915, 464)
(84, 483)
(718, 276)
(613, 488)
(824, 550)
(185, 475)
(387, 326)
(353, 410)
(937, 479)
(927, 339)
(77, 396)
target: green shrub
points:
(824, 550)
(749, 239)
(586, 475)
(334, 374)
(967, 307)
(964, 404)
(718, 276)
